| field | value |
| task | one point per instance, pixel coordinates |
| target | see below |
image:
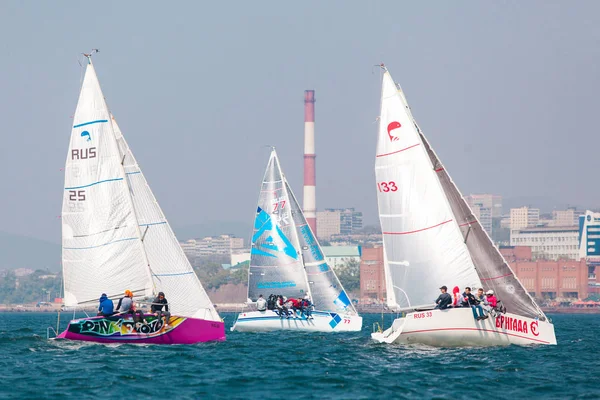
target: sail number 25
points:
(387, 186)
(76, 195)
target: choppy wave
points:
(299, 365)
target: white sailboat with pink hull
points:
(431, 238)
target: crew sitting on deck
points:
(482, 300)
(306, 307)
(261, 303)
(157, 308)
(471, 301)
(106, 307)
(126, 306)
(444, 300)
(281, 308)
(457, 299)
(491, 299)
(294, 304)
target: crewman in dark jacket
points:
(157, 308)
(106, 307)
(444, 300)
(469, 300)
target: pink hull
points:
(115, 330)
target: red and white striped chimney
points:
(310, 201)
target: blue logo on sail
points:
(311, 243)
(275, 285)
(342, 301)
(269, 246)
(86, 134)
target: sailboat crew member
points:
(444, 300)
(261, 303)
(106, 307)
(471, 301)
(126, 306)
(157, 308)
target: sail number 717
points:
(387, 186)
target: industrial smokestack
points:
(310, 201)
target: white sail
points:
(101, 246)
(276, 263)
(424, 247)
(171, 271)
(327, 293)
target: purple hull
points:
(122, 329)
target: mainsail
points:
(286, 257)
(118, 238)
(171, 270)
(275, 263)
(423, 245)
(101, 246)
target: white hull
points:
(457, 327)
(265, 321)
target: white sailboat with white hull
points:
(431, 238)
(286, 260)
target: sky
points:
(505, 91)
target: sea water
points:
(296, 365)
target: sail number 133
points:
(387, 186)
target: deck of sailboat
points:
(456, 327)
(321, 321)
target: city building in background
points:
(549, 243)
(561, 280)
(240, 256)
(337, 256)
(524, 217)
(328, 224)
(372, 275)
(211, 245)
(338, 221)
(589, 237)
(569, 217)
(487, 208)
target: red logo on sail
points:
(393, 125)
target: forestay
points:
(170, 268)
(326, 290)
(275, 264)
(101, 246)
(423, 245)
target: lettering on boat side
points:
(83, 154)
(517, 325)
(109, 327)
(420, 315)
(391, 126)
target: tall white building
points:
(524, 217)
(549, 243)
(568, 217)
(486, 207)
(328, 224)
(336, 221)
